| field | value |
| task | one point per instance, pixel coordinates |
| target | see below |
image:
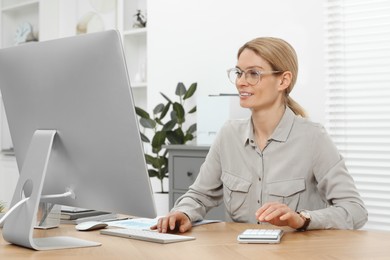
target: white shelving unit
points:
(43, 16)
(135, 45)
(12, 14)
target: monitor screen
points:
(79, 88)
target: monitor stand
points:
(18, 227)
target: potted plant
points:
(166, 124)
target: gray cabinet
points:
(184, 162)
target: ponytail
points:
(295, 107)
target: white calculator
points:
(268, 236)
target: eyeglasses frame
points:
(259, 72)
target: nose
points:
(241, 81)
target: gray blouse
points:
(300, 166)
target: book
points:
(82, 214)
(102, 217)
(73, 209)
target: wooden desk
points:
(217, 241)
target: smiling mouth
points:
(245, 94)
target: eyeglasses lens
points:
(251, 76)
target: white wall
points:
(196, 41)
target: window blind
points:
(358, 97)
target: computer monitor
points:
(73, 126)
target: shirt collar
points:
(280, 133)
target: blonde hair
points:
(282, 57)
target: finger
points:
(261, 210)
(273, 214)
(275, 210)
(286, 216)
(154, 227)
(159, 223)
(172, 222)
(184, 226)
(164, 224)
(265, 207)
(266, 212)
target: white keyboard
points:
(260, 236)
(146, 235)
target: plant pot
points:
(161, 200)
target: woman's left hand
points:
(279, 214)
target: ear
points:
(285, 80)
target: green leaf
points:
(166, 109)
(188, 137)
(142, 113)
(158, 108)
(193, 110)
(169, 125)
(144, 138)
(180, 89)
(149, 159)
(190, 91)
(158, 163)
(192, 129)
(173, 115)
(176, 137)
(152, 173)
(158, 141)
(162, 94)
(179, 110)
(147, 123)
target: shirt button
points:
(258, 201)
(259, 178)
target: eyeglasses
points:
(251, 76)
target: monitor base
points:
(19, 225)
(53, 243)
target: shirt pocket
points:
(286, 191)
(235, 192)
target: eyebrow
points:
(251, 67)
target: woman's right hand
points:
(172, 222)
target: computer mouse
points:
(91, 225)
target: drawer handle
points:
(189, 174)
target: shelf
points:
(13, 14)
(18, 7)
(138, 31)
(138, 84)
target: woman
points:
(276, 167)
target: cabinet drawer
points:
(185, 171)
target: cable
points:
(17, 205)
(69, 193)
